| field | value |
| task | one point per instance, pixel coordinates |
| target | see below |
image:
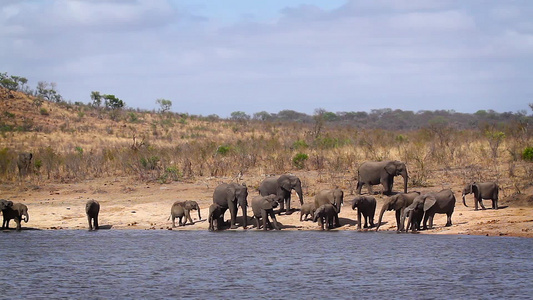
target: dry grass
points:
(72, 143)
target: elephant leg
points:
(173, 222)
(399, 225)
(96, 223)
(425, 221)
(359, 187)
(17, 221)
(366, 221)
(481, 203)
(431, 221)
(495, 203)
(288, 204)
(274, 221)
(281, 206)
(358, 219)
(370, 189)
(336, 220)
(90, 223)
(233, 213)
(265, 219)
(449, 219)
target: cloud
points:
(362, 55)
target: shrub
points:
(300, 144)
(223, 150)
(527, 154)
(299, 159)
(44, 112)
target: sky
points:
(218, 57)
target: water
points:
(131, 264)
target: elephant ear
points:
(285, 184)
(390, 168)
(429, 202)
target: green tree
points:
(239, 116)
(48, 92)
(113, 102)
(164, 104)
(96, 98)
(12, 83)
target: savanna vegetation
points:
(74, 141)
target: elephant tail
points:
(169, 217)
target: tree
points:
(48, 91)
(239, 116)
(262, 116)
(164, 104)
(96, 98)
(113, 102)
(12, 83)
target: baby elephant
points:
(215, 212)
(17, 212)
(326, 215)
(366, 205)
(92, 208)
(182, 209)
(263, 207)
(306, 210)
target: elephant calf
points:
(92, 209)
(263, 207)
(306, 210)
(484, 190)
(16, 211)
(215, 212)
(181, 209)
(325, 215)
(366, 205)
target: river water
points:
(133, 264)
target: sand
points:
(130, 204)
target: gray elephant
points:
(92, 209)
(263, 207)
(398, 203)
(381, 172)
(366, 205)
(282, 186)
(215, 213)
(17, 212)
(483, 190)
(325, 215)
(24, 163)
(5, 204)
(182, 209)
(334, 197)
(429, 204)
(306, 210)
(228, 196)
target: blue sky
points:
(216, 57)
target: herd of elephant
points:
(417, 208)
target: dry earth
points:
(129, 204)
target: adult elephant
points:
(263, 207)
(398, 203)
(366, 206)
(92, 209)
(24, 163)
(430, 204)
(381, 172)
(483, 190)
(335, 197)
(282, 187)
(228, 196)
(17, 212)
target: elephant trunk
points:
(300, 194)
(244, 217)
(383, 209)
(402, 219)
(27, 217)
(199, 217)
(405, 179)
(464, 201)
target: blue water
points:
(133, 264)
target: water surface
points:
(128, 264)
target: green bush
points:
(300, 144)
(527, 154)
(44, 112)
(223, 150)
(299, 159)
